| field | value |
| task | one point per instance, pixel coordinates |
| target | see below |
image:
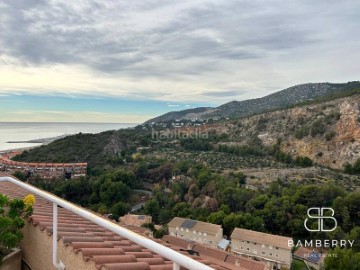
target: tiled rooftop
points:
(199, 226)
(135, 220)
(260, 237)
(221, 257)
(104, 248)
(309, 255)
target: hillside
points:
(106, 148)
(328, 133)
(283, 99)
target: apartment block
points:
(267, 247)
(194, 230)
(45, 170)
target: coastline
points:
(20, 149)
(25, 135)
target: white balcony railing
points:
(177, 258)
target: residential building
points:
(310, 257)
(221, 257)
(198, 231)
(135, 220)
(43, 169)
(267, 247)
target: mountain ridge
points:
(288, 97)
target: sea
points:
(18, 131)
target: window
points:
(263, 253)
(254, 244)
(270, 254)
(277, 255)
(248, 242)
(248, 249)
(277, 248)
(241, 248)
(210, 242)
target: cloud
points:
(184, 50)
(224, 93)
(64, 116)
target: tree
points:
(216, 218)
(111, 192)
(20, 175)
(152, 208)
(343, 259)
(164, 216)
(120, 209)
(181, 209)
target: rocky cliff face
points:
(338, 140)
(328, 133)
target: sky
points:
(128, 61)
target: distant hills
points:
(283, 99)
(325, 129)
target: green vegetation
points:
(12, 212)
(343, 259)
(299, 265)
(301, 132)
(107, 148)
(317, 128)
(352, 169)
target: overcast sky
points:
(131, 60)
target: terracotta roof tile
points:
(140, 254)
(104, 259)
(127, 266)
(151, 261)
(101, 251)
(163, 267)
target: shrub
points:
(12, 213)
(301, 132)
(303, 161)
(317, 128)
(330, 135)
